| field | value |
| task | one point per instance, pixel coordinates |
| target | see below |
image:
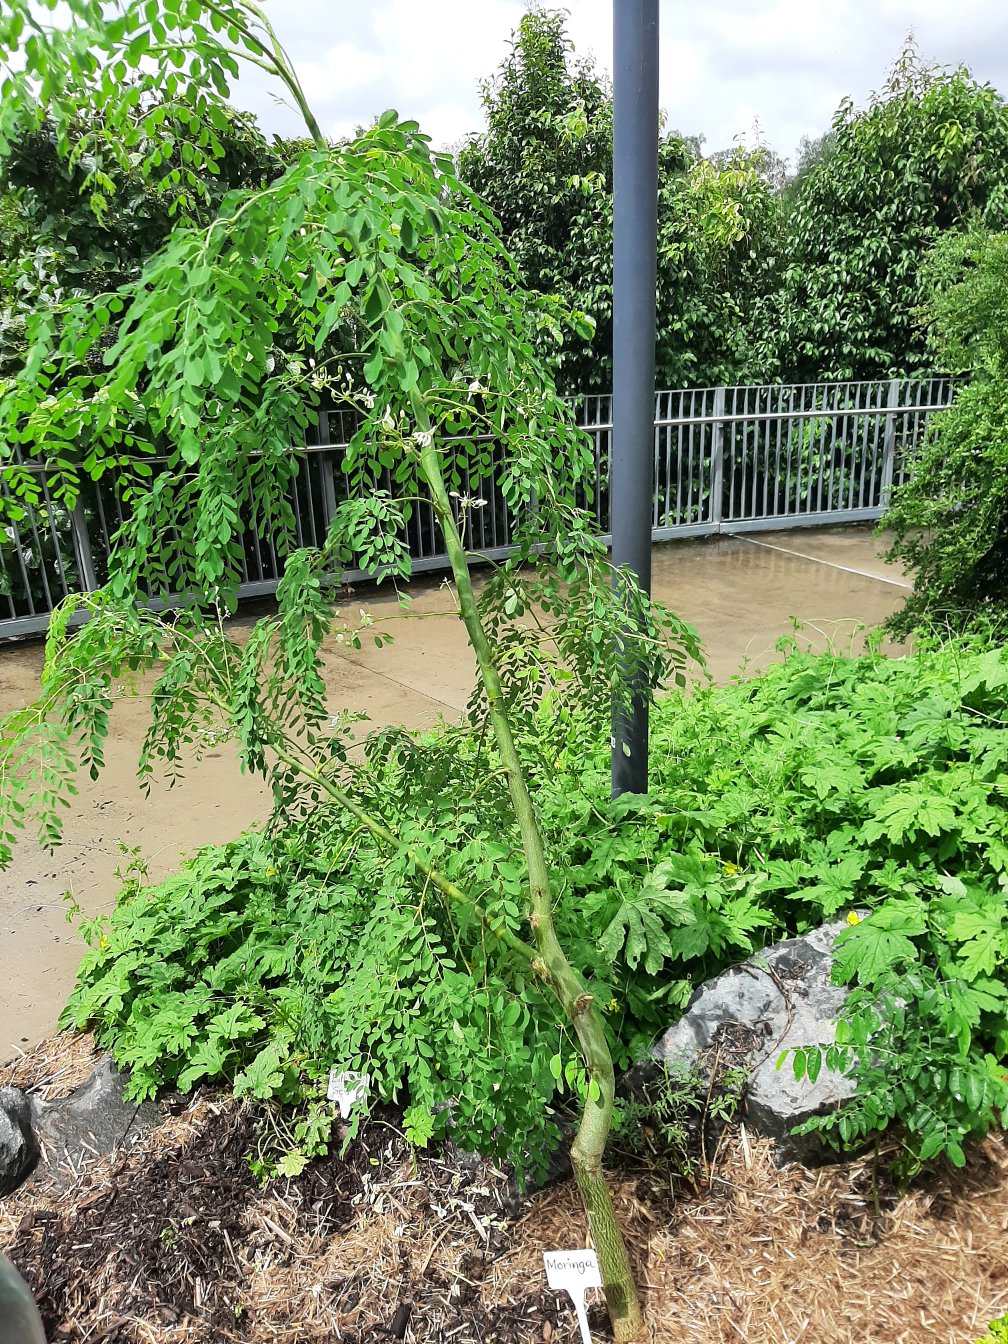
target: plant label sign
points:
(346, 1089)
(574, 1272)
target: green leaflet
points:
(867, 951)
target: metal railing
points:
(726, 459)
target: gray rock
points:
(781, 997)
(93, 1120)
(19, 1150)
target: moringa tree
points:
(214, 361)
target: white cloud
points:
(344, 71)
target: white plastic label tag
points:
(574, 1272)
(347, 1088)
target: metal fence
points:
(726, 459)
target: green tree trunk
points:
(551, 963)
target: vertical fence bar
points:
(889, 449)
(717, 461)
(82, 545)
(694, 491)
(328, 482)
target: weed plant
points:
(869, 790)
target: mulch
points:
(176, 1241)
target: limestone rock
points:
(780, 997)
(19, 1150)
(93, 1119)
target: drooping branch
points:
(390, 840)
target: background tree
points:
(951, 518)
(812, 151)
(544, 166)
(62, 234)
(924, 157)
(719, 250)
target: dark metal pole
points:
(635, 228)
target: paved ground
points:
(740, 593)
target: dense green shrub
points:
(269, 960)
(923, 158)
(950, 519)
(826, 786)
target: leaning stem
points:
(388, 838)
(551, 963)
(275, 60)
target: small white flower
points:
(388, 424)
(424, 439)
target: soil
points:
(176, 1242)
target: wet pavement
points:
(740, 593)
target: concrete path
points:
(740, 593)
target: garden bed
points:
(175, 1240)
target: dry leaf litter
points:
(173, 1241)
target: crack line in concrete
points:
(831, 564)
(414, 690)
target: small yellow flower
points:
(103, 941)
(271, 871)
(853, 917)
(612, 1005)
(730, 869)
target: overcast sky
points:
(724, 63)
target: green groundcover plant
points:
(830, 786)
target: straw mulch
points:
(175, 1242)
